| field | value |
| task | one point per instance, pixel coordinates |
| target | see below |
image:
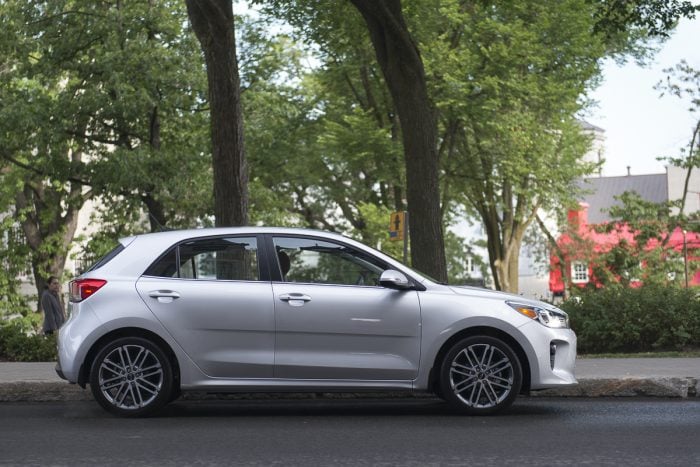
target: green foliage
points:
(18, 346)
(99, 99)
(649, 318)
(13, 263)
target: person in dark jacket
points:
(51, 303)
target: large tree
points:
(213, 23)
(508, 79)
(98, 99)
(402, 66)
(400, 108)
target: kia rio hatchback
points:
(280, 310)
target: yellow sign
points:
(397, 226)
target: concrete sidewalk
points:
(613, 377)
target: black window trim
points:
(263, 269)
(276, 274)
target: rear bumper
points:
(59, 372)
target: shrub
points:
(16, 345)
(649, 318)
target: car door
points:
(334, 321)
(208, 294)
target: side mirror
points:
(394, 280)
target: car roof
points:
(145, 248)
(184, 234)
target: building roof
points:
(600, 192)
(589, 126)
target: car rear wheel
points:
(480, 375)
(131, 377)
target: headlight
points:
(551, 317)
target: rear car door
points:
(209, 295)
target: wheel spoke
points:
(141, 357)
(150, 383)
(475, 400)
(140, 385)
(120, 400)
(467, 373)
(109, 365)
(494, 378)
(476, 357)
(464, 385)
(108, 386)
(463, 367)
(137, 401)
(500, 366)
(152, 373)
(487, 361)
(490, 393)
(500, 385)
(120, 352)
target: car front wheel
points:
(131, 377)
(480, 375)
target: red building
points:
(583, 243)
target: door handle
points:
(294, 296)
(163, 294)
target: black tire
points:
(480, 375)
(131, 377)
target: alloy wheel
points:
(130, 377)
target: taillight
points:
(80, 289)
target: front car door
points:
(209, 295)
(334, 320)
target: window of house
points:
(579, 272)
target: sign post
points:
(398, 230)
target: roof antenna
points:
(160, 226)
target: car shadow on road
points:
(336, 407)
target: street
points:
(536, 431)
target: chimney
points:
(578, 218)
(628, 170)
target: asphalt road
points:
(537, 431)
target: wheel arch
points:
(433, 378)
(84, 374)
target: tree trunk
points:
(212, 22)
(402, 66)
(48, 231)
(505, 264)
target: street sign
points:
(397, 226)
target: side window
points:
(231, 258)
(320, 262)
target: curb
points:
(628, 387)
(45, 391)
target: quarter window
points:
(320, 262)
(231, 258)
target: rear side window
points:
(106, 258)
(228, 258)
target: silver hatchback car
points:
(278, 310)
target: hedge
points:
(17, 346)
(645, 319)
(611, 320)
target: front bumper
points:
(554, 362)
